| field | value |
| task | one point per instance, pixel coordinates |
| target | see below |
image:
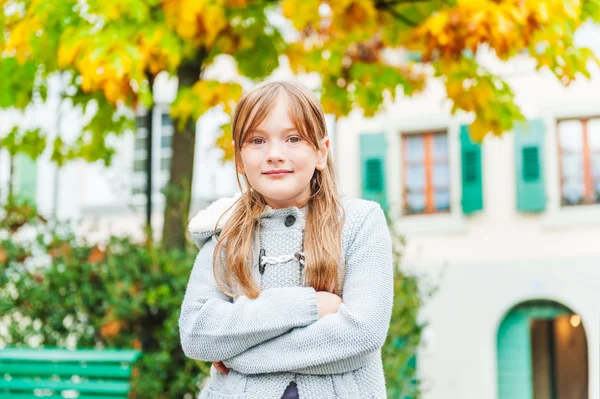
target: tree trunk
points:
(11, 176)
(149, 117)
(179, 189)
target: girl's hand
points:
(327, 303)
(221, 367)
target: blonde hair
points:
(325, 216)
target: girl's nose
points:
(274, 152)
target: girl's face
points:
(278, 163)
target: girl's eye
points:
(256, 140)
(295, 139)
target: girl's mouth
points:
(278, 173)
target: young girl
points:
(292, 291)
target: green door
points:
(515, 372)
(515, 379)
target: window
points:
(25, 178)
(161, 157)
(166, 136)
(426, 173)
(579, 156)
(140, 155)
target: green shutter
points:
(25, 178)
(529, 154)
(372, 159)
(472, 189)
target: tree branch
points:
(396, 2)
(389, 7)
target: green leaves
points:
(16, 82)
(29, 142)
(404, 334)
(590, 10)
(259, 59)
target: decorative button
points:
(289, 220)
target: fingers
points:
(221, 367)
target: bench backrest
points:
(62, 373)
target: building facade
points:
(507, 230)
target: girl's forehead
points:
(280, 115)
(276, 120)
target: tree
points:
(113, 49)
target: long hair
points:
(325, 216)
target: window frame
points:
(588, 178)
(428, 163)
(160, 176)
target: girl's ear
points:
(322, 153)
(240, 169)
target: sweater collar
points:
(206, 220)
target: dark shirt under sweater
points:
(291, 392)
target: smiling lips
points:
(278, 172)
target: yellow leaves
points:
(132, 11)
(474, 90)
(507, 26)
(237, 3)
(301, 13)
(112, 326)
(183, 107)
(3, 256)
(68, 52)
(100, 73)
(199, 21)
(361, 12)
(155, 51)
(224, 143)
(542, 12)
(214, 21)
(213, 93)
(436, 24)
(204, 95)
(478, 130)
(21, 34)
(355, 18)
(294, 53)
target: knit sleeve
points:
(347, 339)
(211, 327)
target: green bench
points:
(61, 373)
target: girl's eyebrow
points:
(289, 129)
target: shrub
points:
(59, 290)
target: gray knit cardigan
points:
(278, 337)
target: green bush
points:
(57, 289)
(399, 354)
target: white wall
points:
(458, 359)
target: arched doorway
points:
(542, 353)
